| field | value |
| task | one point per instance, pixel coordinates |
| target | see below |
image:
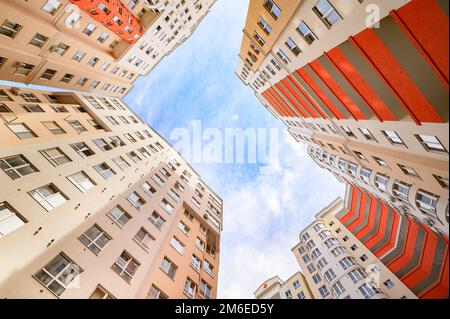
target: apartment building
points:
(91, 46)
(362, 248)
(365, 85)
(296, 287)
(97, 205)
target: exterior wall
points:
(45, 234)
(390, 77)
(296, 287)
(414, 253)
(371, 266)
(269, 289)
(119, 61)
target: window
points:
(273, 9)
(77, 126)
(381, 182)
(134, 157)
(306, 258)
(103, 37)
(360, 155)
(363, 257)
(367, 134)
(316, 278)
(54, 127)
(177, 245)
(338, 289)
(61, 49)
(443, 181)
(380, 161)
(365, 175)
(101, 293)
(196, 263)
(82, 149)
(119, 216)
(95, 239)
(23, 68)
(51, 6)
(167, 206)
(431, 143)
(10, 220)
(311, 268)
(17, 166)
(205, 290)
(48, 196)
(190, 288)
(130, 138)
(82, 81)
(283, 56)
(288, 294)
(301, 250)
(321, 263)
(326, 13)
(264, 25)
(338, 251)
(126, 266)
(38, 40)
(407, 170)
(368, 290)
(104, 170)
(357, 275)
(82, 181)
(324, 292)
(93, 61)
(200, 244)
(347, 262)
(143, 238)
(55, 156)
(156, 293)
(89, 29)
(21, 130)
(168, 267)
(150, 190)
(306, 33)
(78, 56)
(258, 38)
(136, 200)
(102, 144)
(116, 141)
(293, 47)
(208, 268)
(401, 190)
(58, 274)
(33, 108)
(120, 161)
(182, 226)
(426, 201)
(329, 275)
(66, 78)
(157, 220)
(393, 138)
(348, 131)
(352, 169)
(301, 295)
(389, 284)
(3, 60)
(10, 29)
(48, 74)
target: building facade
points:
(296, 287)
(365, 86)
(362, 248)
(92, 46)
(97, 205)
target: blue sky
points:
(263, 213)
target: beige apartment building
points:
(296, 287)
(91, 46)
(362, 248)
(95, 204)
(365, 85)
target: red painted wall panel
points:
(354, 78)
(396, 77)
(427, 26)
